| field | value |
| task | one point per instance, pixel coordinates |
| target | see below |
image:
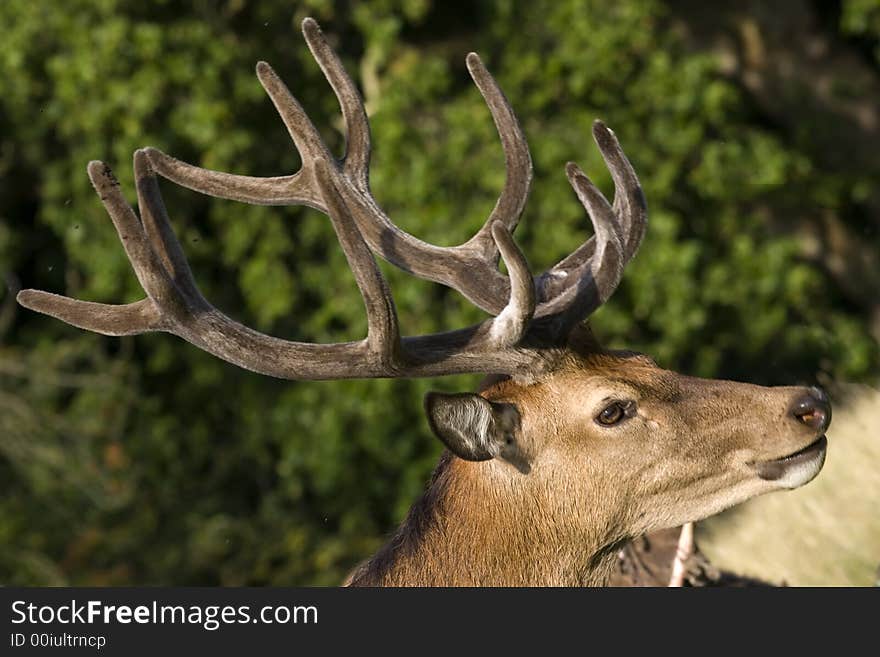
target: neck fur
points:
(472, 528)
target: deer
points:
(568, 449)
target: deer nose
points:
(813, 409)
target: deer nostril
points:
(812, 409)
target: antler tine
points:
(109, 319)
(383, 334)
(606, 265)
(629, 200)
(277, 190)
(357, 127)
(517, 159)
(296, 189)
(300, 127)
(147, 267)
(157, 228)
(299, 188)
(103, 318)
(563, 288)
(510, 325)
(592, 281)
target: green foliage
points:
(861, 17)
(146, 461)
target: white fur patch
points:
(797, 475)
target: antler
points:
(532, 313)
(568, 292)
(174, 303)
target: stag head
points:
(569, 446)
(612, 433)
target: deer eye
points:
(614, 413)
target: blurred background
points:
(755, 128)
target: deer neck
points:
(466, 530)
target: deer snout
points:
(812, 409)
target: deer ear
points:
(474, 428)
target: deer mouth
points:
(795, 469)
